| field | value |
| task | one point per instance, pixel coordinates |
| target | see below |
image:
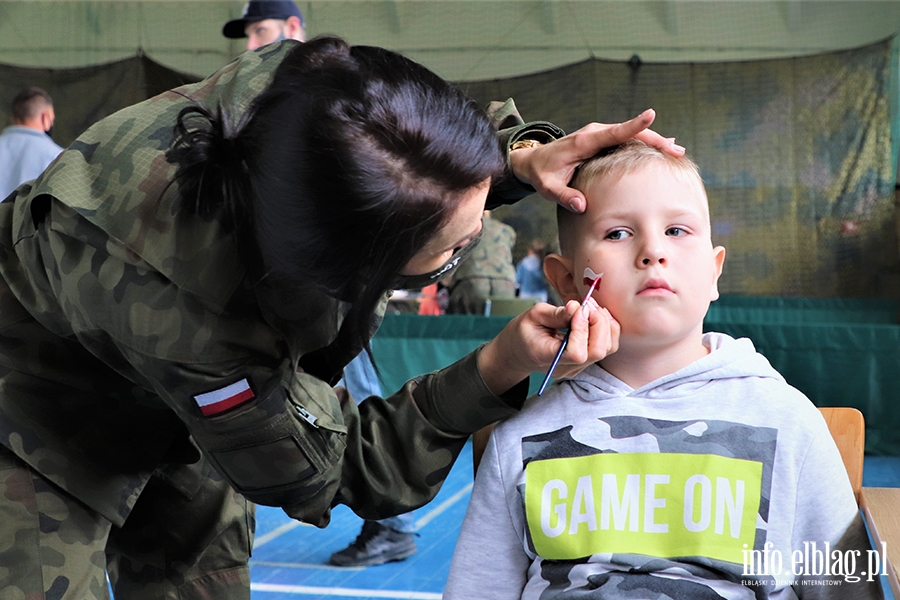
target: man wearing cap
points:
(267, 21)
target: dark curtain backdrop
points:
(83, 96)
(795, 153)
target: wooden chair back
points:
(848, 428)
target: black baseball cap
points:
(260, 10)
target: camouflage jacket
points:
(493, 256)
(131, 335)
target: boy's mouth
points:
(655, 284)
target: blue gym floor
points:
(290, 560)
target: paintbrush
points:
(595, 280)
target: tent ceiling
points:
(460, 39)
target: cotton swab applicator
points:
(594, 279)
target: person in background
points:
(26, 147)
(434, 300)
(489, 272)
(267, 21)
(384, 540)
(530, 272)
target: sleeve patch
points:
(218, 401)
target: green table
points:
(839, 352)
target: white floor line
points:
(278, 531)
(437, 510)
(343, 592)
(290, 565)
(424, 520)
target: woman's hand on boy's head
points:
(529, 343)
(549, 168)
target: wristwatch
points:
(525, 143)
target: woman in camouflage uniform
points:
(182, 287)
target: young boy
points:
(682, 466)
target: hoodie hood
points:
(728, 358)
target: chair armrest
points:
(880, 507)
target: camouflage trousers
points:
(54, 547)
(467, 296)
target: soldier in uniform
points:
(181, 289)
(488, 273)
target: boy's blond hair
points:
(615, 162)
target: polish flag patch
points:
(218, 401)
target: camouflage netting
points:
(795, 153)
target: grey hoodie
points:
(716, 481)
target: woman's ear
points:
(558, 271)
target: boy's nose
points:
(652, 256)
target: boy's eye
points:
(617, 234)
(675, 231)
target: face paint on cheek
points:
(590, 276)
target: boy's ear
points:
(719, 261)
(558, 270)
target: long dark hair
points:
(348, 163)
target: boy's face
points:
(648, 233)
